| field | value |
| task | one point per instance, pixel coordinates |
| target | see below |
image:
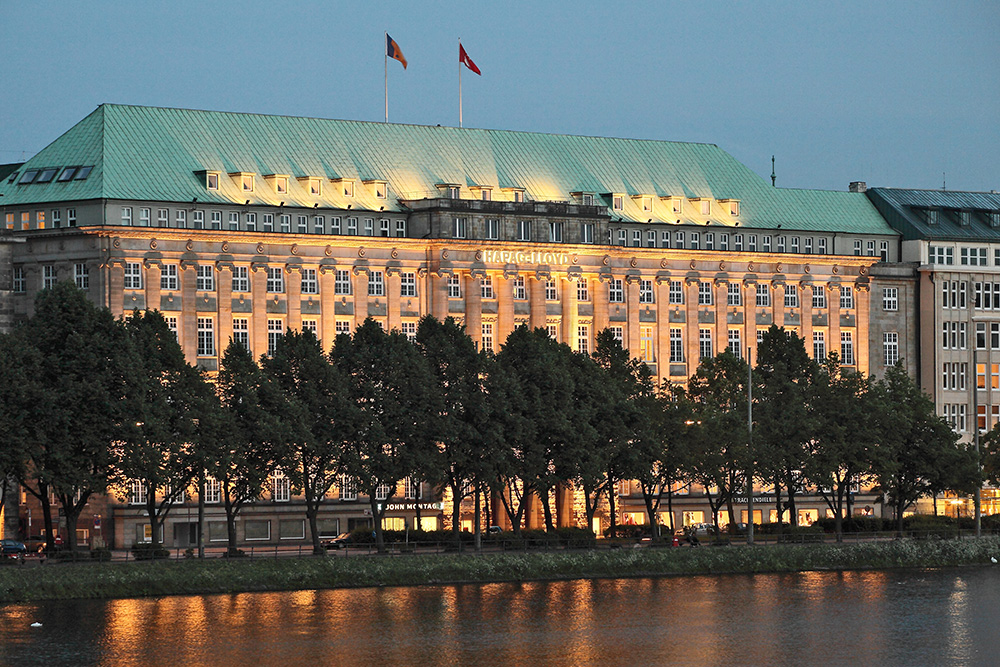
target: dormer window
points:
(704, 206)
(211, 181)
(482, 192)
(994, 219)
(617, 202)
(732, 206)
(644, 202)
(245, 180)
(932, 216)
(450, 190)
(584, 198)
(312, 185)
(378, 189)
(453, 192)
(963, 218)
(281, 185)
(516, 194)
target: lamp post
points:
(749, 448)
(975, 431)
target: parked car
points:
(13, 549)
(339, 542)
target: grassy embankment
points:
(187, 577)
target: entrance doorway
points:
(185, 534)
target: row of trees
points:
(91, 404)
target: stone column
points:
(599, 296)
(293, 290)
(359, 285)
(224, 305)
(474, 309)
(750, 319)
(805, 330)
(720, 294)
(152, 285)
(691, 325)
(392, 299)
(778, 304)
(116, 287)
(833, 319)
(570, 312)
(632, 313)
(505, 310)
(187, 324)
(663, 329)
(328, 319)
(258, 321)
(863, 298)
(439, 296)
(536, 293)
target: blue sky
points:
(899, 94)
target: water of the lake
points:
(935, 617)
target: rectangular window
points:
(352, 226)
(251, 223)
(168, 277)
(400, 229)
(616, 294)
(555, 232)
(486, 287)
(781, 244)
(267, 222)
(551, 291)
(213, 490)
(709, 240)
(48, 276)
(310, 326)
(487, 336)
(808, 245)
(890, 298)
(583, 338)
(704, 293)
(695, 240)
(890, 347)
(883, 250)
(676, 345)
(752, 242)
(18, 280)
(275, 329)
(348, 487)
(458, 227)
(705, 343)
(127, 216)
(819, 345)
(199, 220)
(241, 279)
(846, 298)
(973, 256)
(679, 240)
(819, 297)
(407, 284)
(734, 294)
(256, 529)
(280, 487)
(846, 348)
(523, 230)
(645, 291)
(376, 283)
(738, 242)
(241, 331)
(205, 278)
(493, 229)
(383, 227)
(310, 281)
(234, 221)
(791, 296)
(180, 222)
(454, 286)
(618, 333)
(275, 280)
(763, 295)
(665, 239)
(81, 276)
(676, 292)
(646, 344)
(723, 241)
(408, 329)
(636, 238)
(285, 223)
(342, 327)
(520, 293)
(57, 217)
(133, 275)
(342, 282)
(735, 343)
(206, 337)
(216, 220)
(582, 290)
(335, 225)
(651, 239)
(795, 244)
(171, 321)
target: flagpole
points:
(385, 52)
(460, 84)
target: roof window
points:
(82, 173)
(13, 177)
(932, 216)
(46, 175)
(67, 174)
(28, 177)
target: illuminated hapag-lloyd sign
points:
(525, 257)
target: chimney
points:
(857, 186)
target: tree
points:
(158, 458)
(783, 423)
(388, 384)
(843, 442)
(67, 378)
(917, 451)
(313, 419)
(14, 414)
(662, 454)
(247, 448)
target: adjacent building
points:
(243, 226)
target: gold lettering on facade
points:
(524, 257)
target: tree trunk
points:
(377, 519)
(72, 512)
(456, 511)
(670, 509)
(547, 509)
(777, 503)
(478, 523)
(838, 515)
(154, 537)
(611, 510)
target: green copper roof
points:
(154, 154)
(957, 216)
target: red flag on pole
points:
(464, 58)
(392, 50)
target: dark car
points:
(338, 542)
(13, 549)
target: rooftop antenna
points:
(944, 181)
(772, 171)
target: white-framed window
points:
(275, 330)
(795, 244)
(376, 283)
(369, 226)
(487, 336)
(555, 232)
(311, 326)
(646, 344)
(246, 181)
(454, 286)
(335, 224)
(383, 227)
(723, 241)
(267, 222)
(20, 286)
(206, 337)
(617, 202)
(251, 222)
(234, 221)
(459, 227)
(818, 297)
(582, 290)
(736, 343)
(180, 219)
(348, 487)
(199, 220)
(162, 217)
(520, 292)
(342, 327)
(492, 228)
(256, 530)
(48, 276)
(133, 275)
(352, 226)
(81, 275)
(763, 295)
(973, 256)
(205, 278)
(616, 293)
(281, 487)
(407, 284)
(846, 298)
(618, 333)
(890, 347)
(583, 338)
(408, 329)
(211, 181)
(890, 298)
(400, 228)
(168, 277)
(847, 348)
(870, 248)
(705, 344)
(676, 345)
(734, 294)
(285, 223)
(486, 287)
(216, 220)
(819, 345)
(551, 291)
(412, 488)
(383, 491)
(765, 243)
(738, 242)
(695, 240)
(171, 321)
(808, 245)
(524, 230)
(676, 292)
(679, 240)
(553, 331)
(127, 216)
(213, 490)
(709, 240)
(665, 239)
(342, 282)
(275, 279)
(704, 293)
(646, 291)
(622, 237)
(310, 281)
(791, 296)
(781, 243)
(137, 494)
(241, 331)
(241, 279)
(586, 232)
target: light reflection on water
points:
(883, 618)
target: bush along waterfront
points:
(195, 577)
